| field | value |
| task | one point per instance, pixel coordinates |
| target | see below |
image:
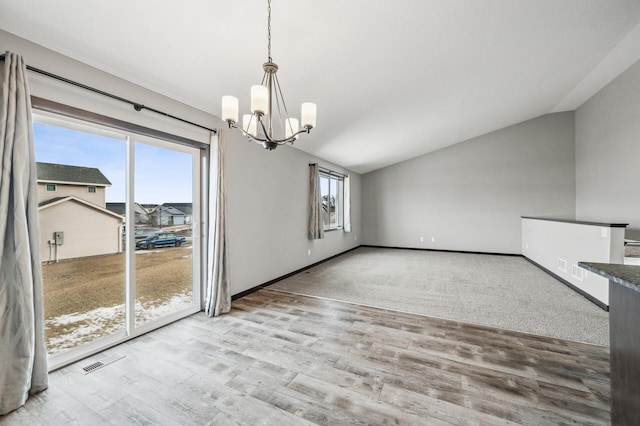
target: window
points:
(91, 189)
(332, 191)
(50, 187)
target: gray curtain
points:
(347, 203)
(23, 356)
(218, 294)
(316, 227)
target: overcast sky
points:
(161, 175)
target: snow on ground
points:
(83, 327)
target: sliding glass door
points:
(118, 248)
(164, 193)
(80, 169)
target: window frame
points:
(89, 189)
(80, 120)
(339, 199)
(48, 185)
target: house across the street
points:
(141, 213)
(74, 220)
(166, 215)
(184, 208)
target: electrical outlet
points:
(355, 238)
(526, 246)
(421, 239)
(309, 252)
(433, 239)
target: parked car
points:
(161, 239)
(142, 232)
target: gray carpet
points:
(499, 291)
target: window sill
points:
(334, 229)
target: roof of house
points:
(118, 208)
(186, 208)
(121, 208)
(49, 172)
(169, 210)
(51, 201)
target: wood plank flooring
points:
(284, 359)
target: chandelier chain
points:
(269, 29)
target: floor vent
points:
(101, 363)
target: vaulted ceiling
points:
(393, 79)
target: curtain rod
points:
(331, 172)
(137, 106)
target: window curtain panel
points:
(23, 356)
(347, 204)
(218, 293)
(316, 226)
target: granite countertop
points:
(626, 275)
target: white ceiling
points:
(392, 79)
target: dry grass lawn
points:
(82, 285)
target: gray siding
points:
(63, 190)
(87, 231)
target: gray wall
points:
(267, 191)
(470, 196)
(267, 213)
(608, 154)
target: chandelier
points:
(258, 126)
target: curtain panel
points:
(23, 355)
(316, 226)
(347, 204)
(218, 293)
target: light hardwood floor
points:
(284, 359)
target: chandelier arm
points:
(269, 134)
(291, 138)
(248, 135)
(278, 100)
(264, 129)
(256, 139)
(284, 104)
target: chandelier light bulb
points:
(230, 108)
(259, 99)
(308, 115)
